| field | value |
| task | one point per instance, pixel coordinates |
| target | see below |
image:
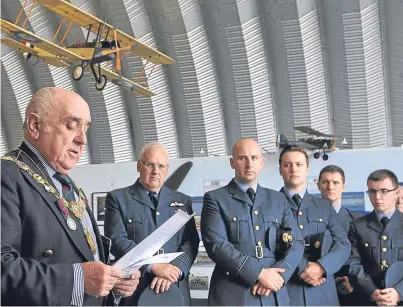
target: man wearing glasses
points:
(377, 241)
(134, 212)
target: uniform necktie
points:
(153, 198)
(67, 186)
(297, 199)
(384, 221)
(251, 194)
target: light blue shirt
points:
(244, 187)
(292, 193)
(148, 192)
(337, 207)
(380, 215)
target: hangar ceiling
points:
(244, 68)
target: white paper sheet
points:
(150, 245)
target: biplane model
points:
(314, 141)
(110, 45)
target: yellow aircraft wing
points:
(20, 34)
(92, 23)
(35, 51)
(127, 84)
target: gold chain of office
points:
(76, 207)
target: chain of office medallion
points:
(76, 207)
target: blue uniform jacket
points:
(374, 249)
(232, 227)
(130, 217)
(347, 216)
(316, 215)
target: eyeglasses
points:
(382, 192)
(151, 165)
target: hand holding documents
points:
(143, 252)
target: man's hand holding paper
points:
(126, 287)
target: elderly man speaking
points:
(51, 248)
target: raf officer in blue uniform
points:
(332, 184)
(377, 241)
(313, 282)
(240, 224)
(134, 212)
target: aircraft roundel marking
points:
(19, 35)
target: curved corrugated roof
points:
(250, 68)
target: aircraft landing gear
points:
(100, 83)
(325, 157)
(78, 72)
(316, 155)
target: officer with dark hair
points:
(332, 184)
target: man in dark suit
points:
(377, 241)
(313, 282)
(51, 249)
(134, 212)
(240, 224)
(332, 184)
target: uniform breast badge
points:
(287, 237)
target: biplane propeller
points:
(315, 141)
(110, 44)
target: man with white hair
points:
(134, 212)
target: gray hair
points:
(151, 145)
(41, 103)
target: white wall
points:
(357, 164)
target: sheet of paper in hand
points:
(143, 252)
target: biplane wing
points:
(44, 56)
(93, 24)
(20, 34)
(51, 59)
(127, 84)
(310, 131)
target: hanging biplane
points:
(110, 45)
(314, 141)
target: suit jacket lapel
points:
(238, 194)
(260, 197)
(374, 223)
(164, 197)
(76, 237)
(139, 194)
(345, 218)
(307, 200)
(32, 160)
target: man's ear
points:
(33, 125)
